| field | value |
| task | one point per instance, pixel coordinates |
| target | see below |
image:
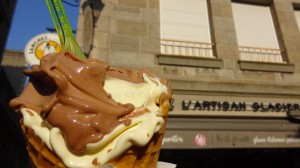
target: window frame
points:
(266, 51)
(199, 46)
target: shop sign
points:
(249, 139)
(179, 139)
(41, 45)
(238, 106)
(243, 106)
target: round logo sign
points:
(41, 45)
(200, 140)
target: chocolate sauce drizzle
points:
(68, 93)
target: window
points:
(256, 34)
(297, 15)
(185, 28)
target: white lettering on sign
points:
(292, 140)
(172, 139)
(274, 139)
(259, 140)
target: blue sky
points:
(31, 18)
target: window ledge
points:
(178, 60)
(266, 66)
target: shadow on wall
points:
(91, 12)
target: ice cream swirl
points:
(98, 112)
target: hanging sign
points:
(41, 45)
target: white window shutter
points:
(256, 33)
(254, 26)
(185, 20)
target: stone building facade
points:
(226, 110)
(225, 101)
(127, 33)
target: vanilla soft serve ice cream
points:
(88, 113)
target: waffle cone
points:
(134, 157)
(40, 155)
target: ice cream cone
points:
(147, 156)
(40, 155)
(134, 157)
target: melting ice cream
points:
(88, 113)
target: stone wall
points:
(127, 34)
